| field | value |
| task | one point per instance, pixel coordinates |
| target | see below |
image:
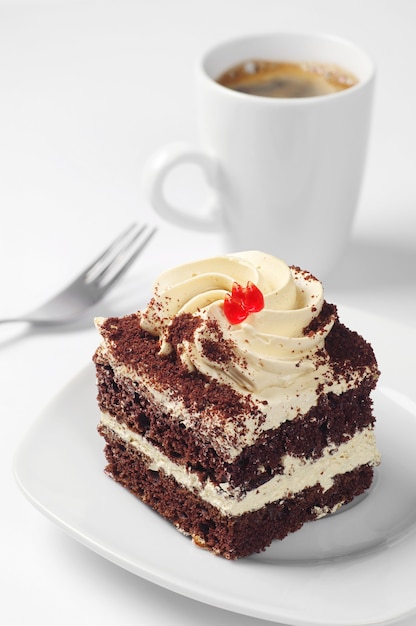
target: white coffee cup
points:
(284, 173)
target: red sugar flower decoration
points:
(242, 301)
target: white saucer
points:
(353, 568)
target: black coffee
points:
(275, 79)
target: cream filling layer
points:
(298, 473)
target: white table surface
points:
(87, 91)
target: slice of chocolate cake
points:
(236, 404)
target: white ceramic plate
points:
(353, 568)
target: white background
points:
(88, 90)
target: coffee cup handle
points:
(208, 218)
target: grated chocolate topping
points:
(136, 348)
(216, 348)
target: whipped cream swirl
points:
(268, 349)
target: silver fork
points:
(93, 283)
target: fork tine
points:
(90, 272)
(115, 268)
(91, 285)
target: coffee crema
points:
(282, 79)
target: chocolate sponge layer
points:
(229, 536)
